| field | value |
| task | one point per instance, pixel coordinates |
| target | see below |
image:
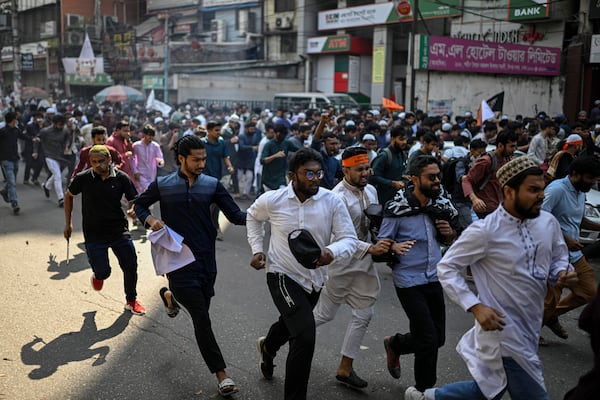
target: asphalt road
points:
(61, 340)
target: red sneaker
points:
(97, 283)
(135, 307)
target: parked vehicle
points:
(316, 100)
(592, 212)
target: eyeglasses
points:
(312, 175)
(433, 177)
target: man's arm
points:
(343, 231)
(256, 215)
(229, 207)
(141, 206)
(476, 174)
(68, 207)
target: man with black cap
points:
(513, 252)
(295, 289)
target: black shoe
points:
(46, 191)
(557, 328)
(265, 362)
(61, 203)
(26, 182)
(543, 342)
(35, 182)
(353, 381)
(16, 208)
(4, 194)
(169, 302)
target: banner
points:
(442, 53)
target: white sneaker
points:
(413, 394)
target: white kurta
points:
(511, 261)
(354, 281)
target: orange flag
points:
(391, 105)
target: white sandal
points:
(227, 383)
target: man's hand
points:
(381, 247)
(403, 247)
(280, 154)
(67, 231)
(573, 244)
(489, 318)
(326, 257)
(444, 228)
(258, 261)
(398, 184)
(137, 176)
(478, 204)
(155, 223)
(567, 278)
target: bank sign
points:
(385, 13)
(520, 10)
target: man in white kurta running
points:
(353, 281)
(512, 253)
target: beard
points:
(528, 213)
(308, 190)
(432, 192)
(582, 187)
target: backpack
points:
(388, 153)
(449, 181)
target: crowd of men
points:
(505, 198)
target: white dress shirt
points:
(511, 261)
(324, 215)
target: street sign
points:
(26, 61)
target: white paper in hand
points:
(169, 253)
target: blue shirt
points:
(567, 204)
(186, 210)
(215, 152)
(419, 265)
(246, 155)
(332, 167)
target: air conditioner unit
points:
(47, 29)
(74, 38)
(283, 23)
(218, 30)
(73, 21)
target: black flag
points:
(496, 102)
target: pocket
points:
(280, 286)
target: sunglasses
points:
(312, 175)
(433, 177)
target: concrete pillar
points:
(381, 78)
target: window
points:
(288, 43)
(285, 5)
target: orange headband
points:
(570, 143)
(355, 160)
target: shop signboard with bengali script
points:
(385, 13)
(441, 53)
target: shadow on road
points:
(62, 270)
(72, 346)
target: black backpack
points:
(449, 181)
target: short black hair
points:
(429, 137)
(58, 119)
(303, 156)
(98, 130)
(148, 130)
(478, 144)
(352, 151)
(121, 124)
(585, 165)
(211, 124)
(489, 126)
(185, 145)
(418, 164)
(506, 136)
(10, 117)
(397, 131)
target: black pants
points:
(196, 300)
(424, 307)
(296, 324)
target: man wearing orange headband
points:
(560, 163)
(353, 281)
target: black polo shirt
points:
(103, 216)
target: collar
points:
(506, 215)
(350, 187)
(112, 172)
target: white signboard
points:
(154, 5)
(373, 14)
(595, 49)
(218, 3)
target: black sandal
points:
(353, 381)
(169, 302)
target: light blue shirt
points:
(567, 204)
(418, 266)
